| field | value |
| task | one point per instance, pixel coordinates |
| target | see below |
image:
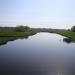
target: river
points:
(40, 54)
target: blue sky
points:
(38, 13)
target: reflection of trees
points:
(67, 40)
(4, 40)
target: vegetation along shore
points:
(25, 31)
(69, 33)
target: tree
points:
(22, 28)
(27, 28)
(73, 29)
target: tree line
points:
(22, 28)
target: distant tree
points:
(22, 28)
(27, 28)
(69, 30)
(73, 29)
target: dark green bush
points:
(73, 29)
(22, 28)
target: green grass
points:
(9, 35)
(4, 40)
(15, 34)
(68, 34)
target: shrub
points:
(27, 28)
(22, 28)
(73, 29)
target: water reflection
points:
(41, 54)
(67, 40)
(5, 40)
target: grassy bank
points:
(4, 40)
(68, 34)
(10, 35)
(15, 34)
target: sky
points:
(38, 13)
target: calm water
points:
(40, 54)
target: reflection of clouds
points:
(29, 69)
(37, 55)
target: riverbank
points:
(6, 36)
(68, 34)
(15, 34)
(12, 33)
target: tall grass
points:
(68, 34)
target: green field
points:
(7, 35)
(15, 34)
(68, 34)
